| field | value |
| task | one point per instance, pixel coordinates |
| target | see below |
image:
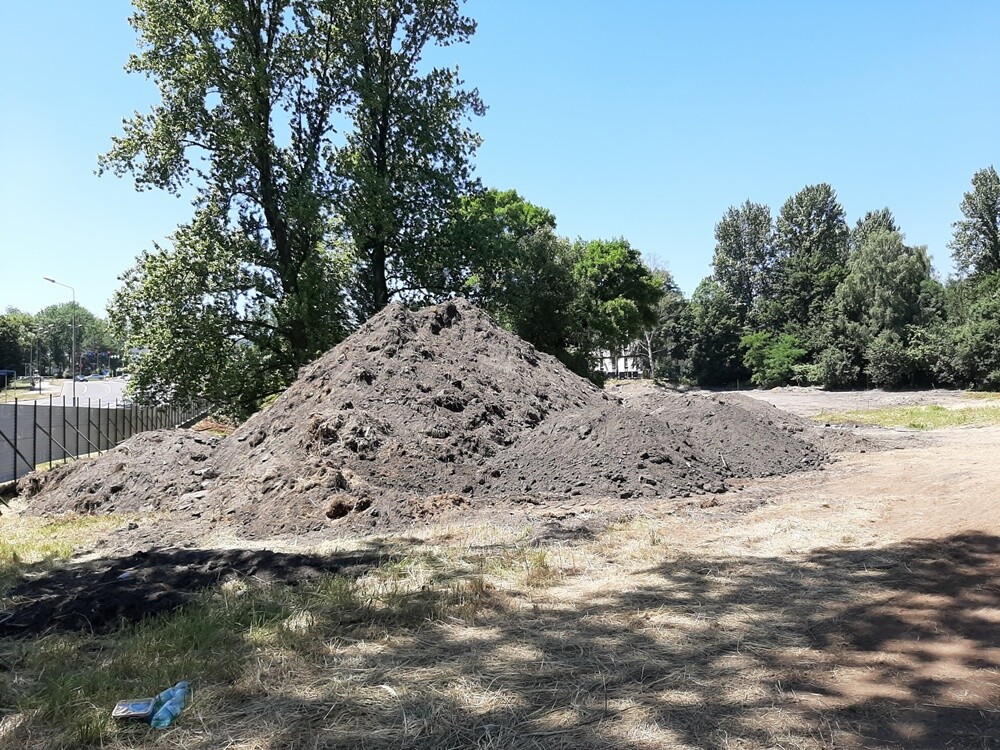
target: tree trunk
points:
(380, 289)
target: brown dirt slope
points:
(442, 412)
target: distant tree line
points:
(330, 170)
(804, 298)
(43, 342)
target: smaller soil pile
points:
(146, 473)
(442, 413)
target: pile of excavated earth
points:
(432, 415)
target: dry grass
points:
(929, 417)
(35, 543)
(214, 426)
(641, 636)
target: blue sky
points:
(640, 118)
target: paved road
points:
(104, 390)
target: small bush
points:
(889, 363)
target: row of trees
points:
(331, 174)
(806, 298)
(330, 168)
(43, 342)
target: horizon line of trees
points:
(331, 173)
(805, 298)
(43, 342)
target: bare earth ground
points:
(853, 606)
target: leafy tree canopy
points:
(618, 295)
(811, 239)
(743, 263)
(302, 127)
(975, 244)
(872, 223)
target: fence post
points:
(34, 434)
(51, 457)
(15, 435)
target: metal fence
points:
(35, 433)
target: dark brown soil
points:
(433, 414)
(101, 595)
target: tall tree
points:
(975, 243)
(487, 250)
(407, 158)
(663, 345)
(15, 327)
(872, 223)
(811, 239)
(889, 285)
(743, 263)
(716, 358)
(57, 323)
(252, 92)
(617, 294)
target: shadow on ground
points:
(887, 648)
(851, 648)
(100, 595)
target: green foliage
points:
(772, 361)
(743, 263)
(811, 240)
(838, 368)
(715, 338)
(12, 332)
(253, 96)
(505, 257)
(975, 243)
(663, 346)
(888, 285)
(964, 352)
(873, 222)
(221, 333)
(889, 364)
(617, 293)
(406, 160)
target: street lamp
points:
(72, 366)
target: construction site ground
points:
(440, 537)
(855, 605)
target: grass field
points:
(20, 390)
(918, 417)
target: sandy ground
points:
(808, 402)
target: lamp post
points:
(72, 365)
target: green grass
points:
(20, 391)
(34, 543)
(930, 417)
(67, 684)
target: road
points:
(107, 391)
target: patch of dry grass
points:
(35, 543)
(930, 417)
(469, 638)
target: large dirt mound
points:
(441, 412)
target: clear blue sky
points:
(643, 119)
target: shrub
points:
(889, 363)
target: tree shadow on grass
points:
(893, 647)
(101, 595)
(886, 648)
